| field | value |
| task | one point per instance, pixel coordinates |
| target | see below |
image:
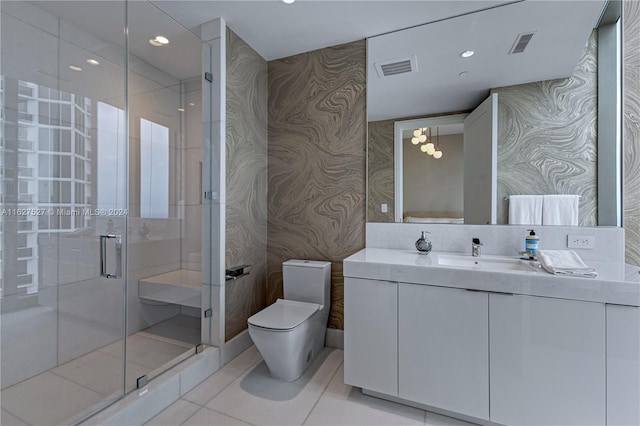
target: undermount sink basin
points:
(493, 263)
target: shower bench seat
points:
(182, 287)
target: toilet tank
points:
(307, 281)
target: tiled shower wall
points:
(317, 144)
(246, 202)
(631, 129)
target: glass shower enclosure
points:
(100, 214)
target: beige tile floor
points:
(56, 395)
(242, 393)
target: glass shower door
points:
(63, 222)
(164, 231)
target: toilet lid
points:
(283, 315)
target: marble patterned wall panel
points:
(380, 175)
(317, 141)
(246, 202)
(631, 129)
(547, 138)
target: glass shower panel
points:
(64, 213)
(165, 138)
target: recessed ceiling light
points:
(181, 109)
(191, 104)
(288, 1)
(463, 74)
(159, 41)
(75, 68)
(468, 53)
(93, 62)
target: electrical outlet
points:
(383, 208)
(581, 241)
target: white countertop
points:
(611, 285)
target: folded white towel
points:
(560, 209)
(565, 262)
(525, 209)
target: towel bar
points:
(506, 198)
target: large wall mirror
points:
(548, 75)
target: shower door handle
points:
(103, 256)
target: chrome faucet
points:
(475, 247)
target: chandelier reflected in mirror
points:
(422, 135)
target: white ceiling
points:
(562, 30)
(276, 30)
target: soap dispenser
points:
(531, 243)
(423, 245)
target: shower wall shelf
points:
(182, 287)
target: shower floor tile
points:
(47, 399)
(100, 372)
(56, 395)
(180, 328)
(186, 320)
(8, 419)
(147, 351)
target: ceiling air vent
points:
(521, 43)
(397, 66)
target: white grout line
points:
(242, 373)
(16, 416)
(227, 385)
(228, 415)
(82, 385)
(325, 388)
(187, 419)
(192, 403)
(163, 339)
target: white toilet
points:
(290, 333)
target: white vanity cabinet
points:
(371, 335)
(547, 361)
(623, 371)
(493, 346)
(443, 354)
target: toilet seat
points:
(284, 315)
